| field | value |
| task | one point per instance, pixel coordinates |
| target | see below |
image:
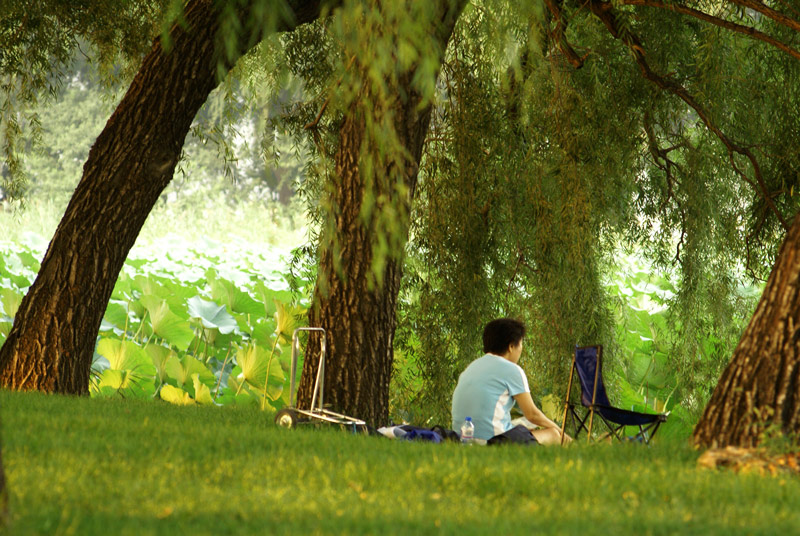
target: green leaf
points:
(211, 315)
(202, 394)
(137, 309)
(125, 355)
(19, 280)
(5, 328)
(239, 393)
(213, 338)
(167, 324)
(264, 332)
(147, 284)
(122, 288)
(124, 382)
(10, 299)
(99, 363)
(252, 361)
(238, 301)
(111, 381)
(280, 402)
(180, 290)
(117, 315)
(181, 370)
(160, 356)
(552, 406)
(270, 297)
(29, 261)
(253, 365)
(136, 263)
(12, 268)
(234, 384)
(176, 396)
(245, 322)
(639, 367)
(287, 319)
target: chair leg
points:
(646, 432)
(613, 431)
(650, 431)
(591, 419)
(616, 432)
(580, 423)
(577, 422)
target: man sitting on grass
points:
(489, 386)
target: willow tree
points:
(390, 54)
(759, 387)
(385, 104)
(717, 167)
(758, 396)
(627, 129)
(38, 41)
(51, 343)
(521, 205)
(753, 136)
(512, 206)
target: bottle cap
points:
(469, 419)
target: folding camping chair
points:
(588, 361)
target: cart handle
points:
(318, 384)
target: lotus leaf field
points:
(211, 324)
(189, 323)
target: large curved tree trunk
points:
(357, 313)
(759, 392)
(51, 344)
(359, 317)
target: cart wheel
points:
(286, 418)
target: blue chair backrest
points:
(586, 361)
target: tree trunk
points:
(51, 344)
(357, 313)
(359, 318)
(758, 392)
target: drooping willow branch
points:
(770, 13)
(559, 34)
(722, 23)
(605, 12)
(662, 155)
(315, 122)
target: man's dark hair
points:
(499, 334)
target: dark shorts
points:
(519, 435)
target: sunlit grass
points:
(91, 466)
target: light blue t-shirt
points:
(485, 392)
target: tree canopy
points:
(555, 145)
(39, 42)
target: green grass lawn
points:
(97, 466)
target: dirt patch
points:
(750, 460)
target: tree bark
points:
(359, 316)
(757, 394)
(51, 344)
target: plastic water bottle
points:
(467, 431)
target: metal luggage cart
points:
(291, 417)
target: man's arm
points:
(532, 413)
